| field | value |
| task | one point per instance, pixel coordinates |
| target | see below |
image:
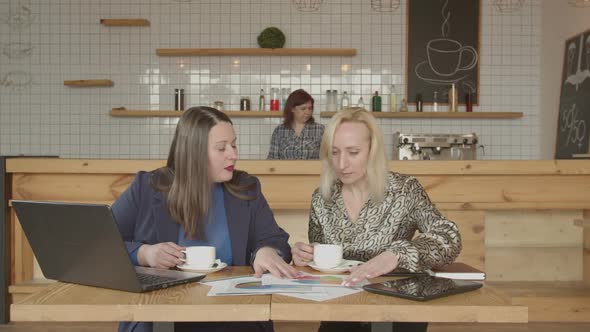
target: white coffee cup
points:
(199, 256)
(327, 255)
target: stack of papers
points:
(306, 286)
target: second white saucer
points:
(345, 266)
(185, 267)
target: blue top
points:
(143, 218)
(216, 231)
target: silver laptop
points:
(80, 243)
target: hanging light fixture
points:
(385, 5)
(580, 3)
(508, 6)
(307, 5)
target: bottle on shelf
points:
(435, 102)
(468, 102)
(404, 106)
(331, 100)
(376, 102)
(179, 99)
(261, 101)
(274, 99)
(361, 102)
(419, 103)
(392, 99)
(345, 101)
(284, 95)
(244, 103)
(453, 99)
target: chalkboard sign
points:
(443, 48)
(574, 103)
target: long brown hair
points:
(184, 180)
(296, 98)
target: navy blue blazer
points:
(142, 218)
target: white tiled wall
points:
(68, 42)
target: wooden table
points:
(68, 302)
(63, 302)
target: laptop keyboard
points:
(151, 279)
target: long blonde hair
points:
(185, 178)
(376, 165)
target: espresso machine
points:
(435, 146)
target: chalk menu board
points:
(574, 103)
(443, 48)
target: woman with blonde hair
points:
(371, 212)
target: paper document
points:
(254, 286)
(306, 287)
(316, 280)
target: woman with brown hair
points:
(198, 199)
(299, 136)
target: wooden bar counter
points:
(520, 221)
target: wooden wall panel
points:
(23, 255)
(533, 264)
(289, 189)
(462, 189)
(294, 222)
(70, 187)
(472, 227)
(587, 249)
(533, 229)
(507, 189)
(294, 191)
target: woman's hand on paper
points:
(162, 255)
(302, 253)
(375, 267)
(267, 260)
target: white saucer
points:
(201, 269)
(345, 266)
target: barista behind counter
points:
(299, 136)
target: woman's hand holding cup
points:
(162, 255)
(302, 253)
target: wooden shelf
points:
(256, 51)
(172, 114)
(124, 22)
(88, 83)
(581, 155)
(440, 115)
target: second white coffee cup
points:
(199, 256)
(327, 255)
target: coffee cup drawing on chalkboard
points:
(445, 56)
(448, 60)
(571, 56)
(575, 74)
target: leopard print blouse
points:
(388, 226)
